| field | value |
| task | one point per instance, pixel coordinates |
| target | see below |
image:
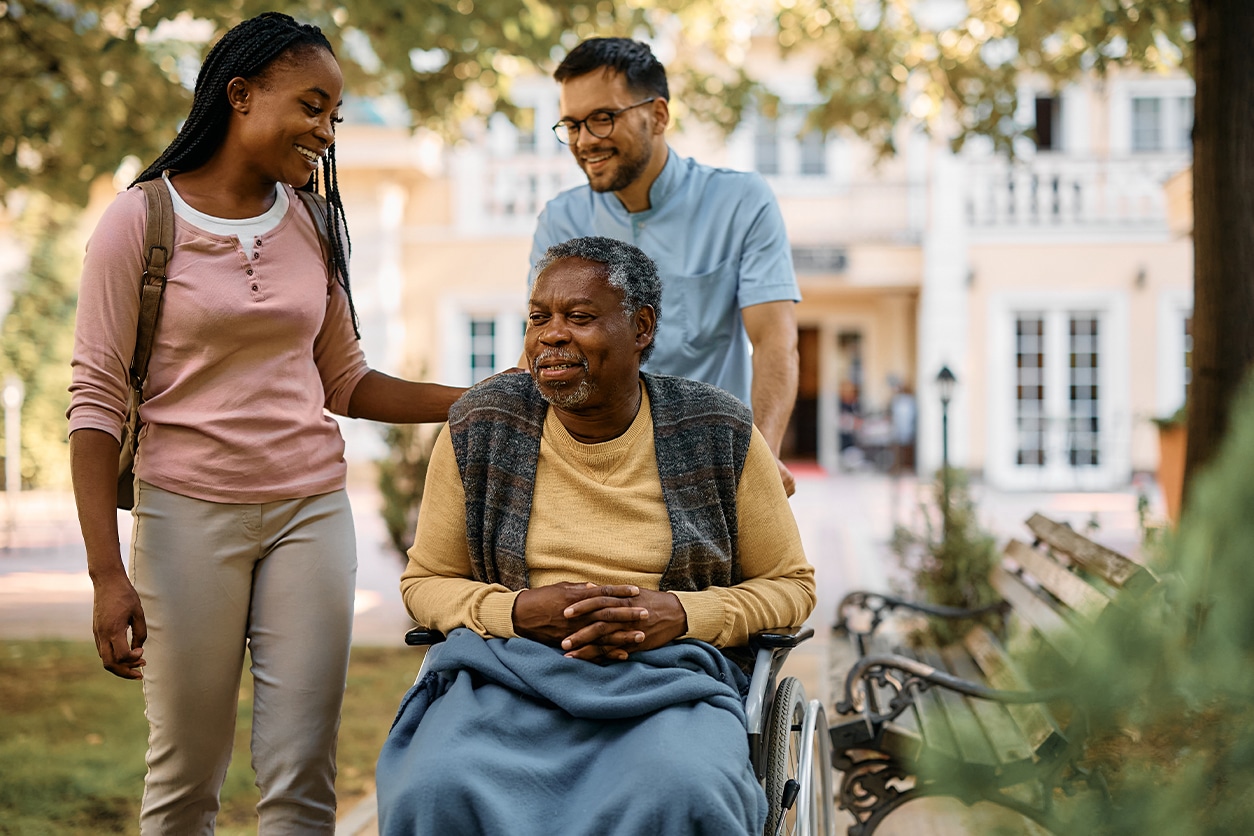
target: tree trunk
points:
(1223, 221)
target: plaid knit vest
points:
(701, 436)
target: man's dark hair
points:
(627, 268)
(642, 71)
(248, 50)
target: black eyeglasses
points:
(600, 123)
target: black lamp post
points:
(945, 383)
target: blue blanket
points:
(511, 737)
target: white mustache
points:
(558, 354)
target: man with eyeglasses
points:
(716, 235)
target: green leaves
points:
(37, 337)
(885, 62)
(91, 82)
(81, 93)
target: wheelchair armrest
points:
(769, 648)
(788, 637)
(421, 636)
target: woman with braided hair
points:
(242, 532)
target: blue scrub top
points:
(719, 242)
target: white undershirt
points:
(247, 230)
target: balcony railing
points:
(522, 185)
(1068, 193)
(504, 195)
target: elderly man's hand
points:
(647, 620)
(544, 615)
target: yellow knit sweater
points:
(598, 515)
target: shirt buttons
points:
(249, 271)
(256, 287)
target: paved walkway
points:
(846, 521)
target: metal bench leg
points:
(868, 794)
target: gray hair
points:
(627, 268)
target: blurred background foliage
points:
(956, 73)
(1170, 683)
(93, 81)
(37, 338)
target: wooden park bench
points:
(966, 710)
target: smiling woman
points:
(243, 535)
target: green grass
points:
(72, 740)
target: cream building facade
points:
(1054, 287)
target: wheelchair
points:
(789, 745)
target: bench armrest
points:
(919, 677)
(875, 606)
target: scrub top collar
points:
(666, 184)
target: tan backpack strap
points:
(316, 205)
(158, 247)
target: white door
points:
(1058, 423)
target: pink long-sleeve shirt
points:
(248, 354)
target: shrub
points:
(402, 476)
(949, 563)
(1169, 684)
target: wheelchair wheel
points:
(817, 807)
(785, 745)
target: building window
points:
(784, 145)
(1162, 124)
(813, 154)
(1147, 132)
(766, 146)
(482, 349)
(1048, 133)
(1083, 419)
(1030, 390)
(1184, 122)
(525, 121)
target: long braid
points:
(337, 226)
(246, 51)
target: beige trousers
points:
(212, 577)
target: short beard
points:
(630, 169)
(569, 400)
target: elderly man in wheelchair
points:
(592, 539)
